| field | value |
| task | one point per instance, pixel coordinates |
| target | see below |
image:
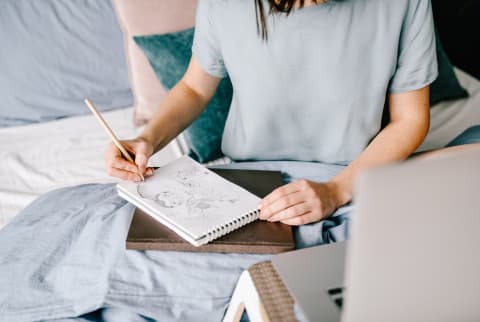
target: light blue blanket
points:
(64, 256)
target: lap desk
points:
(259, 237)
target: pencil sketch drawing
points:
(188, 188)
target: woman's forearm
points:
(410, 121)
(179, 109)
(394, 143)
(303, 201)
(182, 106)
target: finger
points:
(292, 212)
(114, 159)
(149, 172)
(307, 218)
(123, 174)
(130, 146)
(122, 164)
(280, 192)
(283, 203)
(141, 161)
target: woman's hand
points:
(140, 149)
(300, 202)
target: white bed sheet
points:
(41, 157)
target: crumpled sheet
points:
(63, 257)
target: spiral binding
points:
(221, 230)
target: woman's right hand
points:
(117, 166)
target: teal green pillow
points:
(446, 86)
(169, 55)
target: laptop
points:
(413, 253)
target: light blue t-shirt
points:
(315, 91)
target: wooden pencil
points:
(110, 133)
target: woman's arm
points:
(180, 108)
(407, 129)
(304, 201)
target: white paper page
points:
(192, 197)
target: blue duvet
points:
(64, 257)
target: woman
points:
(310, 81)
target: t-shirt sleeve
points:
(206, 47)
(417, 58)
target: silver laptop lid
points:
(314, 277)
(414, 252)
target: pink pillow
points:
(145, 17)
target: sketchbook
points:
(259, 237)
(196, 203)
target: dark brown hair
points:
(276, 6)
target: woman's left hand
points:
(300, 202)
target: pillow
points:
(446, 86)
(169, 55)
(56, 53)
(146, 17)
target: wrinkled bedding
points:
(38, 158)
(61, 262)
